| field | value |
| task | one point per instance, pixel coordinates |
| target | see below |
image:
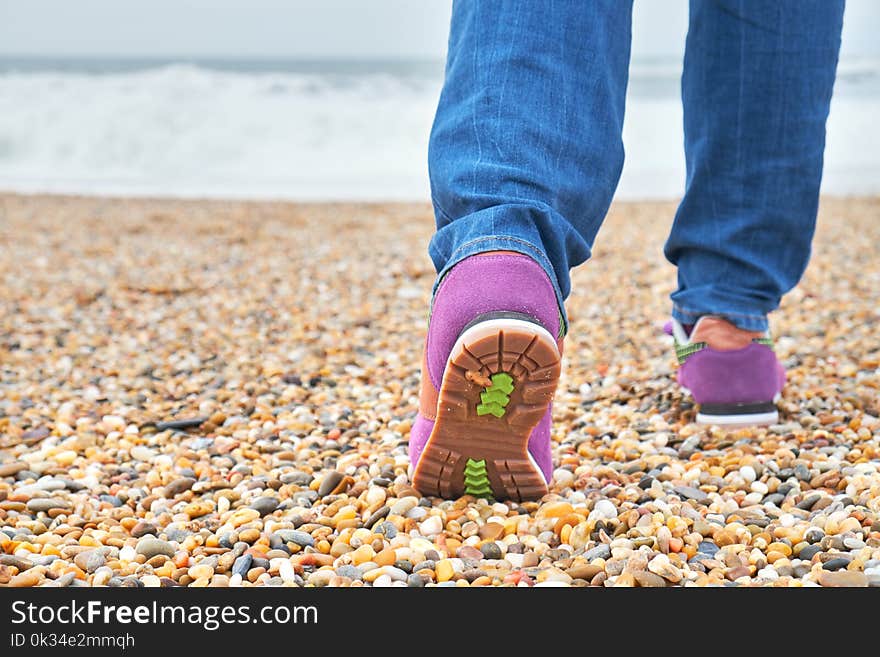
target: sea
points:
(321, 130)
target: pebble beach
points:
(219, 394)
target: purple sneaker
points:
(738, 386)
(489, 372)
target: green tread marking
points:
(496, 397)
(494, 408)
(476, 479)
(502, 381)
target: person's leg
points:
(526, 149)
(756, 88)
(525, 154)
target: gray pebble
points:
(178, 486)
(835, 564)
(297, 478)
(265, 505)
(601, 551)
(691, 493)
(329, 482)
(46, 504)
(809, 552)
(352, 572)
(490, 550)
(808, 502)
(415, 581)
(242, 565)
(302, 539)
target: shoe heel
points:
(499, 380)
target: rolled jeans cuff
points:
(745, 321)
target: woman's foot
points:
(489, 372)
(731, 373)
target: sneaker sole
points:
(479, 444)
(755, 414)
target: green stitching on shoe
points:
(496, 397)
(685, 351)
(476, 479)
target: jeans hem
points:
(745, 321)
(505, 243)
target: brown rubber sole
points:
(472, 450)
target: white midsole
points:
(493, 326)
(770, 417)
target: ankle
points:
(721, 334)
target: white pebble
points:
(286, 572)
(113, 422)
(786, 520)
(396, 574)
(748, 473)
(127, 553)
(141, 453)
(768, 573)
(759, 487)
(514, 559)
(603, 509)
(382, 580)
(563, 477)
(417, 513)
(431, 527)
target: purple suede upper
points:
(481, 284)
(740, 376)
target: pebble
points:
(303, 539)
(46, 504)
(490, 550)
(843, 578)
(264, 505)
(329, 483)
(352, 572)
(242, 565)
(178, 486)
(143, 529)
(601, 551)
(808, 552)
(13, 468)
(431, 527)
(604, 509)
(835, 564)
(173, 407)
(691, 493)
(150, 547)
(748, 474)
(648, 579)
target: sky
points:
(310, 29)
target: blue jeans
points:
(526, 151)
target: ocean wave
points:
(191, 130)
